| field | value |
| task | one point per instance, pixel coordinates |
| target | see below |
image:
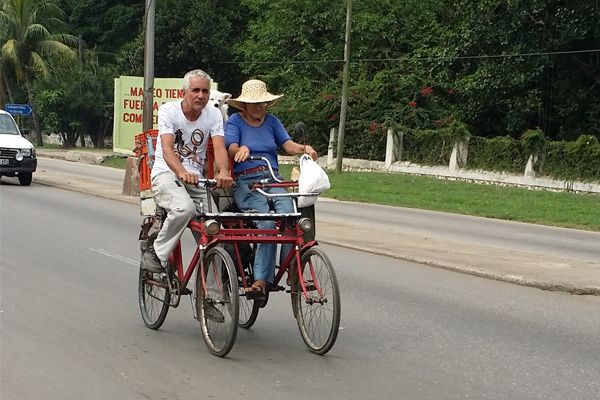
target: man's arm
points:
(223, 177)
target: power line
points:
(484, 56)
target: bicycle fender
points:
(307, 246)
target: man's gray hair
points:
(195, 72)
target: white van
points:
(17, 154)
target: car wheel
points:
(25, 178)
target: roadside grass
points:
(115, 162)
(569, 210)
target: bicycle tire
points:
(151, 296)
(248, 307)
(217, 297)
(319, 320)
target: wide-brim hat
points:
(254, 91)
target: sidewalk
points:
(523, 268)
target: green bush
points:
(578, 160)
(427, 147)
(501, 154)
(534, 141)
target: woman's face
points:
(256, 111)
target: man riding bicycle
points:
(184, 127)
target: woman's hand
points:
(311, 152)
(242, 154)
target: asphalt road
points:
(70, 325)
(515, 236)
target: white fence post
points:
(390, 153)
(458, 158)
(529, 169)
(332, 136)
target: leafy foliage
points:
(500, 154)
(77, 100)
(498, 67)
(577, 160)
(29, 46)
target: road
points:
(514, 236)
(70, 326)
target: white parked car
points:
(17, 154)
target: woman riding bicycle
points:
(255, 132)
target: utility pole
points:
(148, 65)
(131, 185)
(342, 126)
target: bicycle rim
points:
(318, 317)
(248, 308)
(217, 301)
(153, 295)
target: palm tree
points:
(28, 46)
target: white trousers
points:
(181, 202)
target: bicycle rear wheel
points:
(248, 307)
(154, 297)
(318, 317)
(217, 301)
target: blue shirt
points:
(263, 141)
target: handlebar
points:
(266, 161)
(265, 184)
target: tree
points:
(104, 25)
(77, 100)
(29, 45)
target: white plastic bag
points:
(313, 179)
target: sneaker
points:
(150, 261)
(212, 313)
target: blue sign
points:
(18, 109)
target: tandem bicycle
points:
(222, 267)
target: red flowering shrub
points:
(426, 91)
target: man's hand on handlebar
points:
(189, 177)
(224, 179)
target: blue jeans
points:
(247, 200)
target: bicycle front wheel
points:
(217, 301)
(154, 297)
(318, 311)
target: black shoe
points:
(212, 313)
(150, 261)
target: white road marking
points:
(116, 256)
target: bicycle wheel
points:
(217, 301)
(318, 317)
(154, 297)
(248, 307)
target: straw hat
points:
(254, 91)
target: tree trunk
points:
(82, 139)
(5, 85)
(36, 120)
(2, 92)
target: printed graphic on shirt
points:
(189, 150)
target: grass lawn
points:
(568, 210)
